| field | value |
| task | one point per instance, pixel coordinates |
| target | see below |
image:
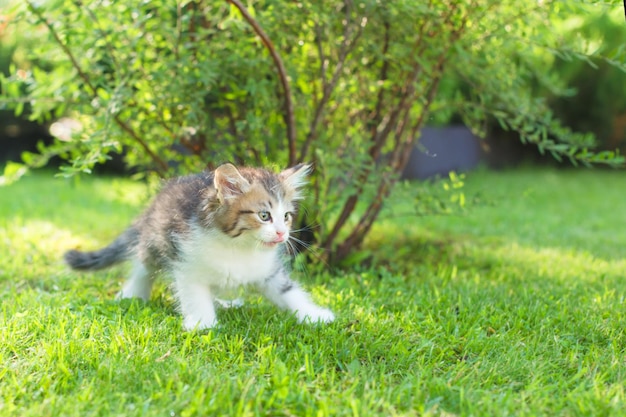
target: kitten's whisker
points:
(314, 250)
(305, 245)
(291, 248)
(300, 230)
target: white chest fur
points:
(214, 261)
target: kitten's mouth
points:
(272, 244)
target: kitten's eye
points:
(265, 216)
(287, 216)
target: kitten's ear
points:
(295, 178)
(229, 183)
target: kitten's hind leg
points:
(196, 304)
(139, 284)
(287, 294)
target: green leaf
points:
(13, 171)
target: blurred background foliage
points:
(174, 87)
(596, 101)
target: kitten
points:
(213, 232)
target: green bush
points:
(339, 83)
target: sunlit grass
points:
(514, 307)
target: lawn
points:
(512, 307)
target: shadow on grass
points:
(519, 259)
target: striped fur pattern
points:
(213, 232)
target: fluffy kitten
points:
(213, 232)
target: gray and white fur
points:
(213, 232)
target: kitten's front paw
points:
(193, 323)
(315, 314)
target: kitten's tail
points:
(119, 250)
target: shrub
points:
(347, 85)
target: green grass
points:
(515, 307)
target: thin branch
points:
(377, 115)
(63, 46)
(103, 34)
(383, 125)
(179, 29)
(232, 126)
(161, 164)
(109, 48)
(386, 124)
(347, 210)
(403, 156)
(347, 45)
(320, 52)
(401, 152)
(282, 74)
(378, 141)
(399, 161)
(30, 100)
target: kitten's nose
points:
(280, 235)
